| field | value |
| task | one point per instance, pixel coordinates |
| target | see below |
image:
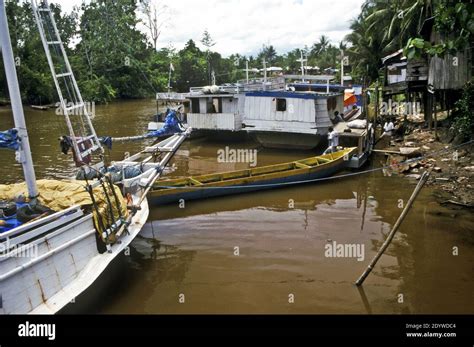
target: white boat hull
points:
(67, 262)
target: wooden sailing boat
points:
(48, 261)
(167, 191)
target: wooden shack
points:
(437, 81)
(447, 75)
(402, 76)
(451, 72)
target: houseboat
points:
(287, 119)
(265, 109)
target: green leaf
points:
(418, 43)
(470, 26)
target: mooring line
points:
(408, 161)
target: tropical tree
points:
(395, 21)
(33, 71)
(155, 17)
(121, 62)
(191, 67)
(321, 45)
(208, 42)
(454, 21)
(365, 51)
(268, 53)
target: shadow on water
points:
(148, 262)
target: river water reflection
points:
(281, 246)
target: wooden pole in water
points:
(399, 221)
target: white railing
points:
(171, 96)
(242, 86)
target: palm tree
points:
(320, 46)
(365, 51)
(396, 20)
(382, 28)
(269, 53)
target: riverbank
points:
(451, 162)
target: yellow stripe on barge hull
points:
(198, 187)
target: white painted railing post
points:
(17, 107)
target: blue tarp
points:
(170, 127)
(11, 222)
(106, 141)
(9, 139)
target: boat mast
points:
(264, 70)
(169, 77)
(302, 61)
(25, 157)
(247, 71)
(342, 67)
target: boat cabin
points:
(293, 112)
(357, 134)
(216, 111)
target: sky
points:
(243, 26)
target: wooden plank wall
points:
(264, 108)
(444, 73)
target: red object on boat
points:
(349, 99)
(86, 159)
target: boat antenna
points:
(24, 151)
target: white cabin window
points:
(281, 105)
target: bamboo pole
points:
(399, 221)
(364, 300)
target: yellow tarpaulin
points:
(59, 195)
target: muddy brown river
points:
(266, 252)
